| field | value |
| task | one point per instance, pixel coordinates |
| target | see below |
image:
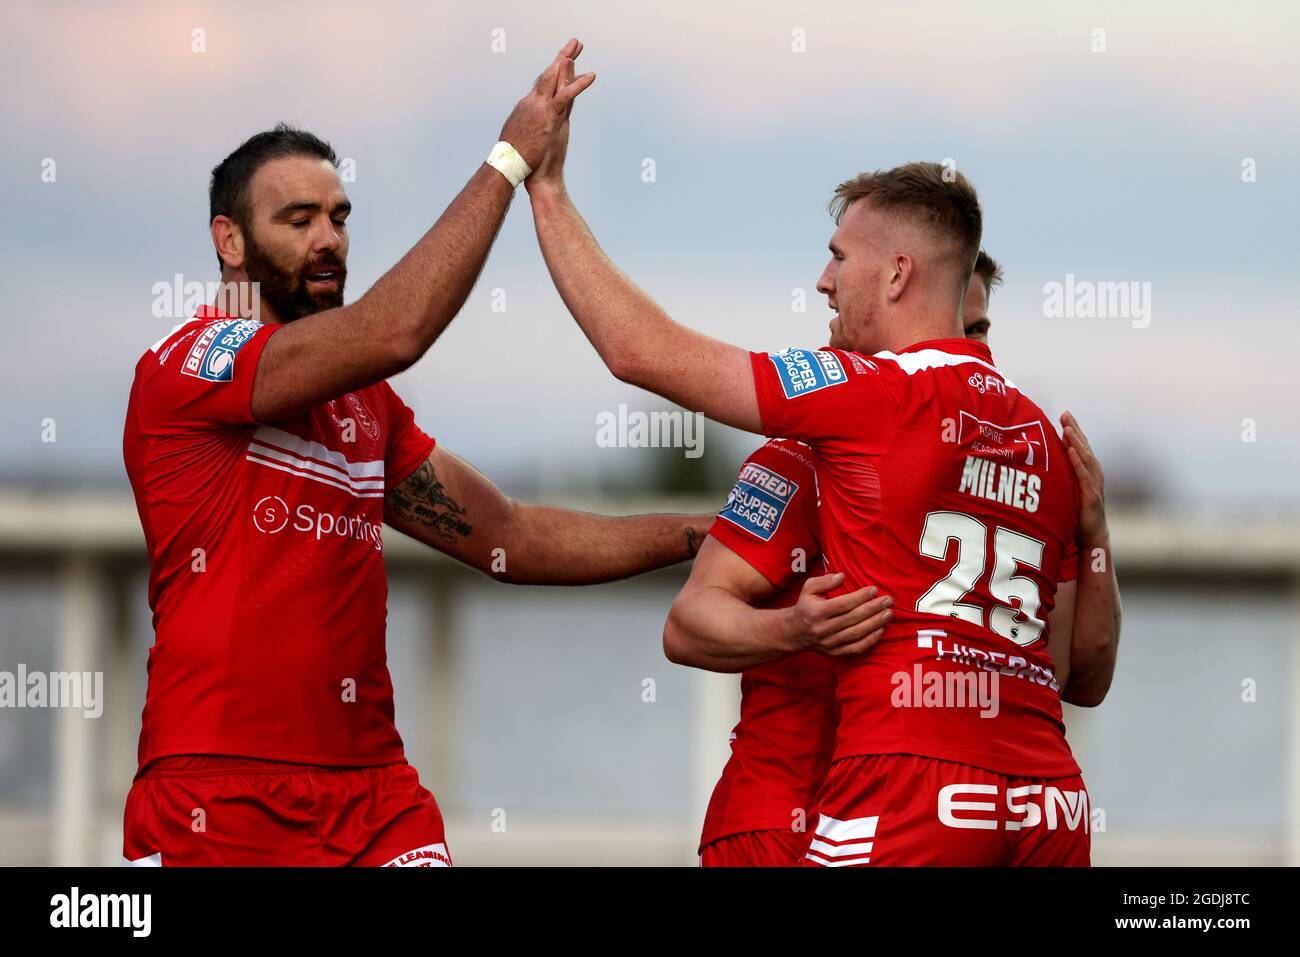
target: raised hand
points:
(1092, 482)
(550, 174)
(533, 124)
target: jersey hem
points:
(980, 761)
(262, 753)
(736, 833)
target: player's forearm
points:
(412, 303)
(557, 546)
(711, 628)
(633, 336)
(1097, 615)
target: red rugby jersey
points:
(266, 571)
(946, 487)
(781, 749)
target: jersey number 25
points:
(1016, 615)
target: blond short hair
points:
(935, 197)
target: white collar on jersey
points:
(919, 361)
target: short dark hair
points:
(935, 196)
(989, 271)
(228, 191)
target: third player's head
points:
(904, 247)
(278, 216)
(975, 311)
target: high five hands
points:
(538, 127)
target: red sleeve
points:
(772, 511)
(408, 444)
(204, 375)
(826, 394)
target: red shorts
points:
(209, 810)
(780, 847)
(904, 810)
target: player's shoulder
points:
(161, 351)
(384, 397)
(1026, 407)
(803, 371)
(788, 457)
(203, 347)
(961, 357)
(381, 391)
(776, 475)
(1018, 407)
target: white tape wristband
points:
(505, 159)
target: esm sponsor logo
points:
(272, 516)
(1028, 805)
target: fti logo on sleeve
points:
(807, 370)
(212, 356)
(758, 500)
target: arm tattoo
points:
(692, 545)
(423, 500)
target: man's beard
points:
(286, 292)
